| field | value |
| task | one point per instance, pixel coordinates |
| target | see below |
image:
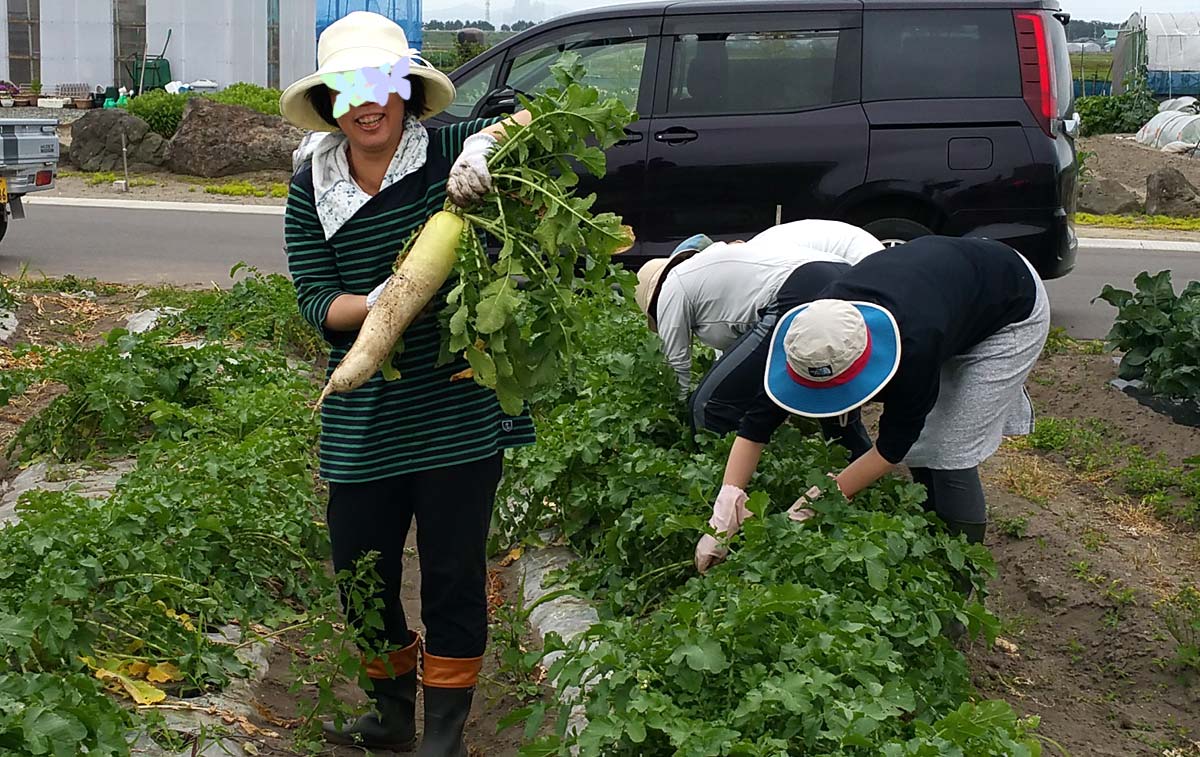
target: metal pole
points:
(125, 159)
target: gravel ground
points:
(64, 115)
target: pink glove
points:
(800, 511)
(729, 513)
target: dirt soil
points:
(1099, 676)
(1120, 157)
(169, 187)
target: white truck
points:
(28, 162)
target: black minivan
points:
(906, 117)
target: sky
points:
(1119, 10)
(1092, 10)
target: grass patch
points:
(1164, 223)
(102, 178)
(68, 284)
(1093, 448)
(8, 300)
(247, 189)
(1059, 342)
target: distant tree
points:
(454, 25)
(486, 26)
(520, 26)
(1081, 30)
(505, 28)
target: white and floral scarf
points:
(338, 195)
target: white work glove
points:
(800, 511)
(729, 513)
(373, 297)
(469, 178)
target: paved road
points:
(188, 247)
(140, 246)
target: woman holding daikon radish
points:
(428, 445)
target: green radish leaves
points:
(516, 318)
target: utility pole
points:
(487, 11)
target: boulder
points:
(96, 141)
(1169, 193)
(222, 140)
(1108, 197)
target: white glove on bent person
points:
(729, 513)
(470, 178)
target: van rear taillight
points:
(1037, 68)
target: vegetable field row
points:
(816, 638)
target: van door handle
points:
(676, 135)
(631, 138)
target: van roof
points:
(687, 7)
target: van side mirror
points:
(499, 103)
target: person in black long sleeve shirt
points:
(943, 332)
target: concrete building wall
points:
(222, 40)
(77, 42)
(4, 43)
(297, 40)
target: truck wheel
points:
(893, 232)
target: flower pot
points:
(22, 102)
(6, 102)
(82, 103)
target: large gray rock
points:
(1169, 193)
(222, 140)
(96, 142)
(1108, 197)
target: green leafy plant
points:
(1118, 114)
(1016, 527)
(126, 391)
(1085, 172)
(164, 111)
(815, 638)
(261, 99)
(161, 110)
(515, 338)
(1180, 614)
(214, 525)
(1156, 329)
(258, 309)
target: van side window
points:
(935, 54)
(471, 90)
(614, 66)
(755, 72)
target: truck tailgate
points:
(28, 141)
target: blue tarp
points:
(407, 13)
(1174, 83)
(1090, 88)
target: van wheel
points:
(893, 232)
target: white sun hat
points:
(363, 40)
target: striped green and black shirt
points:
(424, 420)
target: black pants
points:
(736, 380)
(453, 509)
(957, 498)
